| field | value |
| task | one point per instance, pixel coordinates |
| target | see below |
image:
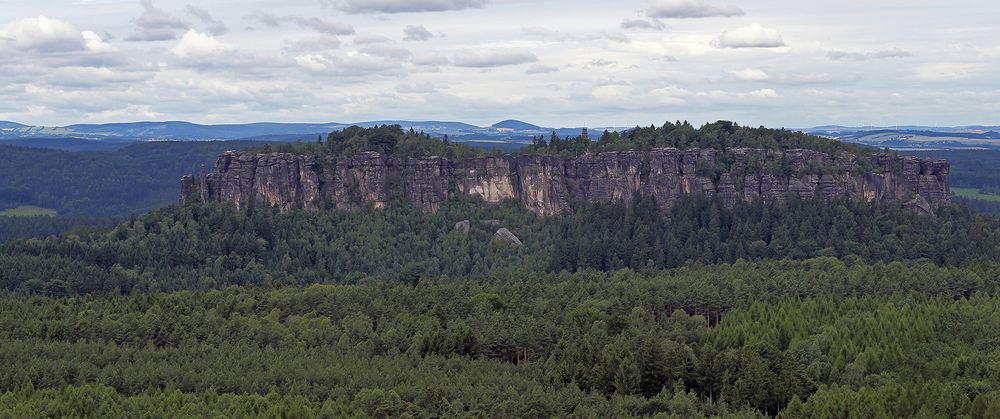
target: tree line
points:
(721, 135)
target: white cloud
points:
(616, 36)
(366, 39)
(314, 62)
(131, 112)
(95, 43)
(323, 26)
(196, 44)
(750, 74)
(430, 60)
(870, 55)
(541, 69)
(816, 78)
(947, 71)
(417, 33)
(600, 62)
(493, 58)
(416, 88)
(675, 93)
(90, 77)
(212, 26)
(690, 9)
(43, 35)
(388, 50)
(350, 64)
(403, 6)
(612, 92)
(752, 36)
(653, 24)
(555, 35)
(319, 43)
(763, 94)
(155, 24)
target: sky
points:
(554, 63)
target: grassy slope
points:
(28, 211)
(973, 193)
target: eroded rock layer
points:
(551, 185)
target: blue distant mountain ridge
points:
(915, 137)
(8, 124)
(509, 130)
(516, 125)
(508, 133)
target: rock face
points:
(551, 185)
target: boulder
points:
(920, 206)
(504, 234)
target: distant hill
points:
(426, 126)
(511, 133)
(8, 124)
(130, 180)
(67, 144)
(516, 125)
(915, 137)
(177, 130)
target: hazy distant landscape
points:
(506, 135)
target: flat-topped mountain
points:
(360, 166)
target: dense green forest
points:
(12, 228)
(980, 205)
(719, 135)
(132, 180)
(614, 311)
(389, 140)
(747, 339)
(210, 246)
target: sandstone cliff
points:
(550, 185)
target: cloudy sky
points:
(550, 62)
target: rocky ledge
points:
(551, 185)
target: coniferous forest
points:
(806, 309)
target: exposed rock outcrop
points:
(463, 227)
(506, 235)
(550, 185)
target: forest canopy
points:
(390, 140)
(216, 245)
(721, 135)
(792, 339)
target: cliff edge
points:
(551, 185)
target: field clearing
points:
(28, 211)
(972, 193)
